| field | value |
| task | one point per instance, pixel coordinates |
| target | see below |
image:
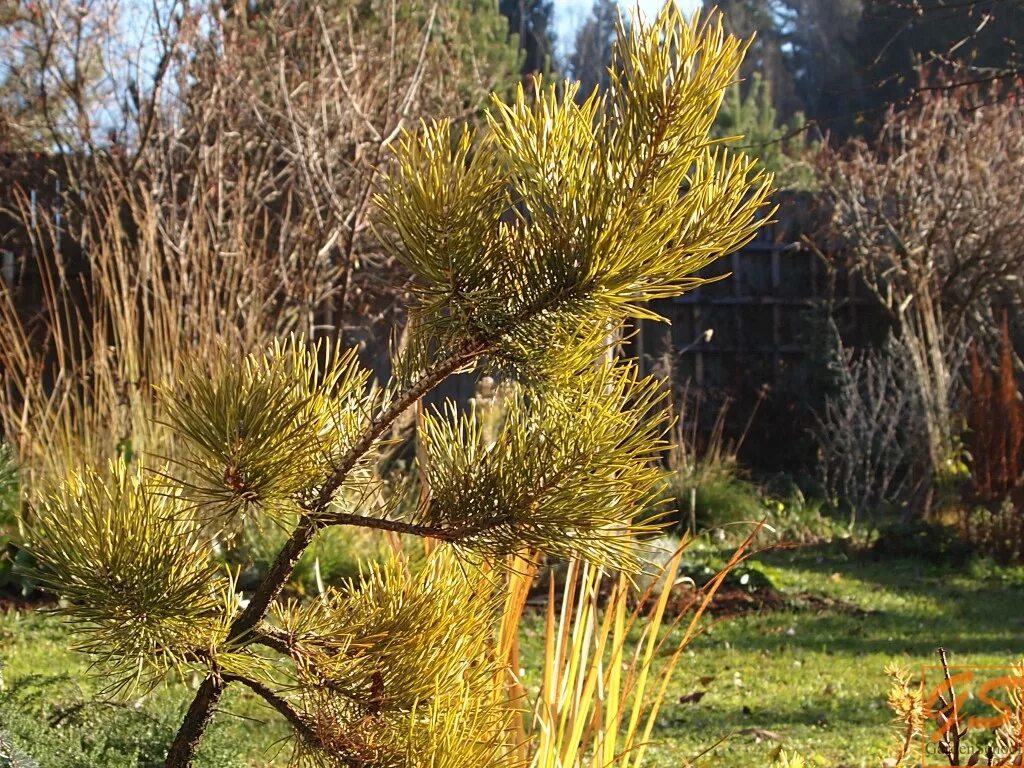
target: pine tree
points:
(766, 58)
(804, 51)
(529, 23)
(527, 242)
(781, 148)
(592, 51)
(821, 37)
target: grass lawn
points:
(813, 679)
(810, 677)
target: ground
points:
(808, 675)
(813, 679)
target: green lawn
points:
(814, 678)
(48, 684)
(810, 677)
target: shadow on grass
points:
(776, 715)
(897, 606)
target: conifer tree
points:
(528, 241)
(529, 23)
(761, 20)
(592, 50)
(779, 147)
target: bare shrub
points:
(870, 433)
(929, 217)
(231, 204)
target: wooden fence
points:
(748, 329)
(754, 324)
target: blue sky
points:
(569, 14)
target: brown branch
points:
(301, 725)
(393, 526)
(186, 741)
(376, 428)
(951, 85)
(273, 638)
(274, 581)
(151, 110)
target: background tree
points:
(844, 62)
(55, 83)
(820, 36)
(397, 671)
(852, 59)
(530, 27)
(928, 218)
(781, 148)
(592, 51)
(973, 41)
(803, 53)
(759, 21)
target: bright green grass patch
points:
(813, 680)
(50, 713)
(809, 679)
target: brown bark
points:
(186, 742)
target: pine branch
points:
(276, 577)
(186, 741)
(438, 532)
(379, 425)
(301, 725)
(394, 526)
(287, 645)
(273, 638)
(307, 528)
